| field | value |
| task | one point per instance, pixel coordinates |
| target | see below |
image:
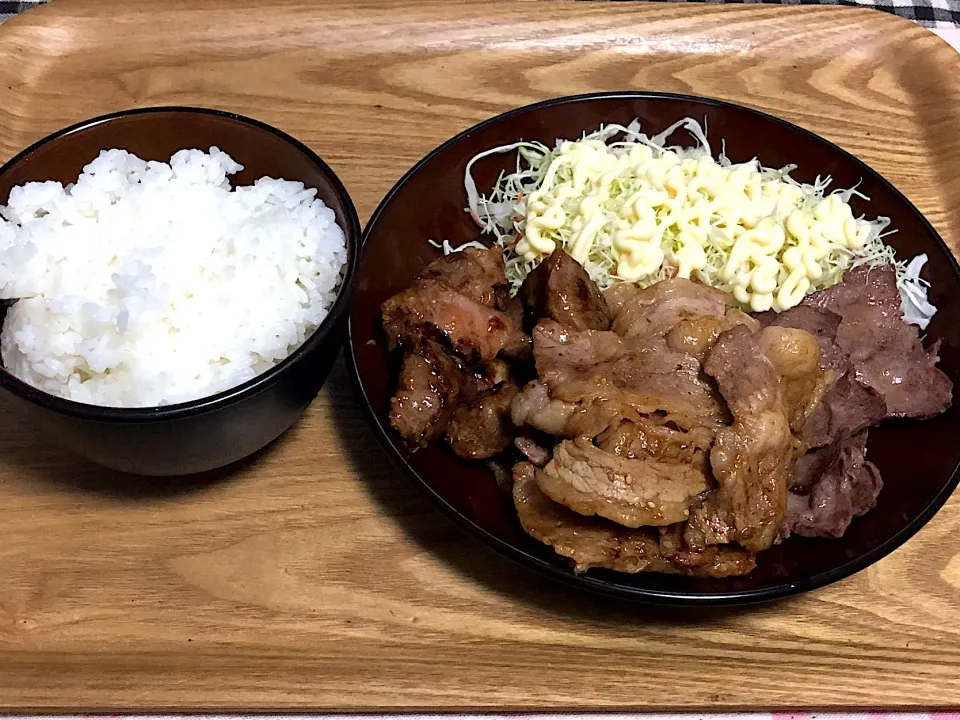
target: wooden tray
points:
(316, 577)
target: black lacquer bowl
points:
(215, 431)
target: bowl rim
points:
(209, 403)
(604, 586)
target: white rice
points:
(148, 283)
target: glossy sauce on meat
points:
(431, 309)
(653, 439)
(886, 353)
(594, 542)
(664, 430)
(752, 459)
(449, 328)
(476, 274)
(481, 427)
(560, 289)
(426, 393)
(631, 492)
(795, 356)
(590, 366)
(655, 311)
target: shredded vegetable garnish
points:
(448, 248)
(630, 207)
(913, 293)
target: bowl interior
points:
(918, 460)
(156, 134)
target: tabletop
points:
(266, 565)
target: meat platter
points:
(664, 427)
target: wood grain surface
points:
(315, 577)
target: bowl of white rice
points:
(173, 283)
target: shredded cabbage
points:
(448, 249)
(503, 214)
(913, 293)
